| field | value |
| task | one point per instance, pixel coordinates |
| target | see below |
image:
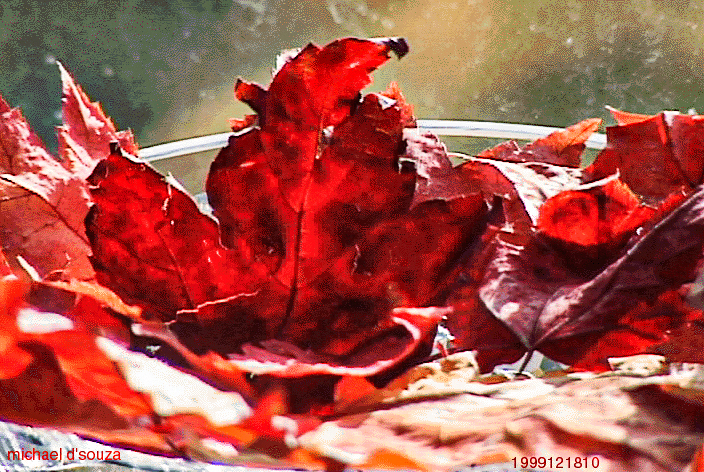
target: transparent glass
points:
(462, 128)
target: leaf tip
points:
(62, 69)
(398, 45)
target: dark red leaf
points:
(666, 325)
(580, 269)
(582, 300)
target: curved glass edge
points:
(472, 129)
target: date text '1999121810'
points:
(557, 462)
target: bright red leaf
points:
(46, 380)
(596, 219)
(106, 392)
(654, 155)
(326, 253)
(54, 367)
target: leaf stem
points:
(529, 355)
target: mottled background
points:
(166, 69)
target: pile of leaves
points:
(289, 325)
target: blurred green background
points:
(166, 69)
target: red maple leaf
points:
(323, 252)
